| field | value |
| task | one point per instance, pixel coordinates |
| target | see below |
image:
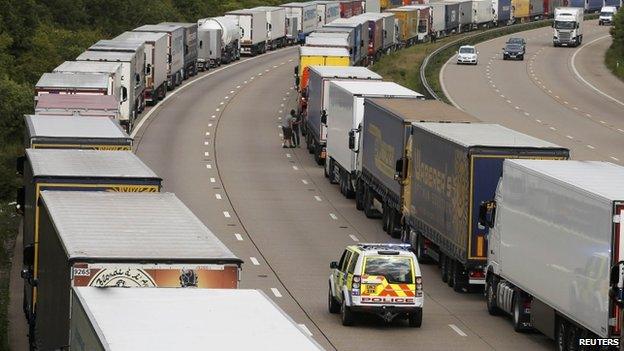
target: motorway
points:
(216, 143)
(563, 95)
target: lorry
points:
(483, 11)
(276, 22)
(350, 8)
(354, 37)
(76, 170)
(317, 56)
(146, 240)
(254, 30)
(337, 40)
(438, 24)
(344, 118)
(327, 11)
(208, 47)
(113, 69)
(375, 35)
(78, 105)
(452, 16)
(69, 132)
(408, 24)
(303, 15)
(390, 40)
(555, 230)
(383, 185)
(239, 319)
(190, 46)
(454, 167)
(520, 10)
(227, 48)
(568, 26)
(318, 99)
(536, 9)
(155, 63)
(424, 21)
(133, 70)
(361, 34)
(175, 51)
(502, 12)
(75, 83)
(465, 14)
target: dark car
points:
(517, 40)
(513, 52)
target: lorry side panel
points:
(537, 8)
(83, 336)
(315, 104)
(520, 8)
(562, 237)
(503, 10)
(160, 62)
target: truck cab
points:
(568, 26)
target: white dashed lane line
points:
(457, 330)
(226, 214)
(276, 292)
(354, 238)
(238, 237)
(333, 216)
(318, 198)
(304, 181)
(218, 196)
(254, 261)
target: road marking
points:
(553, 128)
(238, 87)
(232, 91)
(527, 114)
(254, 261)
(620, 130)
(588, 115)
(603, 122)
(238, 237)
(295, 168)
(274, 66)
(213, 116)
(565, 102)
(569, 137)
(259, 74)
(281, 105)
(509, 101)
(212, 180)
(517, 107)
(245, 82)
(538, 120)
(457, 330)
(218, 110)
(575, 108)
(227, 97)
(280, 111)
(503, 96)
(209, 124)
(550, 91)
(206, 153)
(615, 158)
(305, 329)
(252, 78)
(288, 155)
(556, 96)
(583, 79)
(304, 181)
(207, 133)
(209, 166)
(266, 70)
(206, 143)
(318, 198)
(276, 292)
(354, 238)
(333, 216)
(591, 147)
(226, 214)
(218, 196)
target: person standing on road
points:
(287, 131)
(295, 122)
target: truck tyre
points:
(490, 298)
(415, 319)
(384, 217)
(318, 149)
(420, 249)
(359, 196)
(561, 334)
(573, 338)
(393, 229)
(444, 267)
(332, 304)
(346, 314)
(330, 172)
(369, 211)
(517, 312)
(459, 279)
(452, 275)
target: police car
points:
(381, 279)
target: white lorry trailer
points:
(327, 11)
(74, 83)
(302, 15)
(345, 114)
(78, 105)
(182, 319)
(276, 24)
(113, 69)
(175, 51)
(190, 46)
(208, 46)
(568, 26)
(132, 78)
(155, 63)
(554, 233)
(229, 34)
(254, 30)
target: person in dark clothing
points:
(295, 122)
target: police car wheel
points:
(333, 305)
(415, 319)
(346, 314)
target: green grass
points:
(614, 59)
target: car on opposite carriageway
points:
(517, 40)
(380, 279)
(513, 52)
(467, 54)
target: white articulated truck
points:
(327, 11)
(132, 78)
(155, 63)
(276, 24)
(113, 69)
(115, 319)
(554, 233)
(254, 30)
(302, 15)
(228, 33)
(345, 115)
(175, 50)
(568, 26)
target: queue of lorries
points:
(95, 216)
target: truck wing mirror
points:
(124, 94)
(333, 265)
(296, 70)
(19, 164)
(148, 69)
(487, 211)
(29, 255)
(21, 200)
(400, 169)
(324, 117)
(616, 283)
(352, 139)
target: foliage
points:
(614, 58)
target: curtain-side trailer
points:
(190, 46)
(175, 51)
(79, 105)
(254, 30)
(303, 15)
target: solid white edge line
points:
(578, 75)
(254, 261)
(276, 292)
(181, 88)
(354, 238)
(457, 330)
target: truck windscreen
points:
(565, 25)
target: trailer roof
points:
(88, 67)
(77, 102)
(87, 163)
(131, 226)
(299, 4)
(330, 41)
(181, 24)
(421, 111)
(483, 134)
(321, 51)
(190, 319)
(73, 127)
(118, 45)
(110, 56)
(356, 72)
(324, 34)
(386, 89)
(243, 12)
(158, 28)
(145, 36)
(73, 80)
(603, 179)
(268, 8)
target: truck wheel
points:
(359, 196)
(444, 267)
(332, 304)
(561, 334)
(420, 249)
(452, 275)
(384, 217)
(369, 211)
(490, 299)
(392, 224)
(346, 314)
(330, 172)
(415, 319)
(318, 149)
(459, 281)
(517, 312)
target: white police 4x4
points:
(381, 279)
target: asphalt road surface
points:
(216, 143)
(563, 95)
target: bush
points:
(614, 59)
